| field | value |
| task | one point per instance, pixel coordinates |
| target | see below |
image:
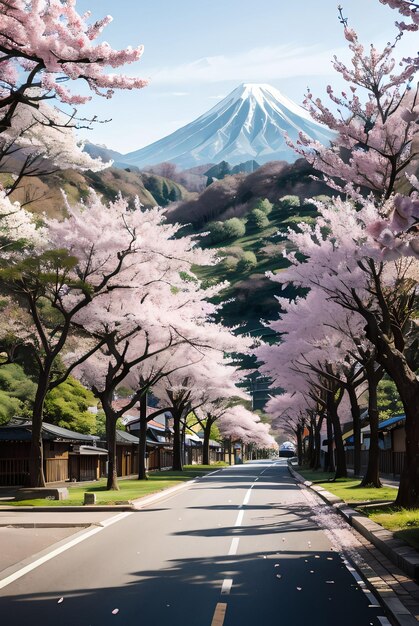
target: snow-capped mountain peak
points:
(249, 123)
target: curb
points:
(132, 507)
(95, 508)
(80, 525)
(402, 555)
(405, 557)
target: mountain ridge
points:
(248, 124)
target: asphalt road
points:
(241, 547)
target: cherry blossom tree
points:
(208, 414)
(89, 254)
(203, 378)
(30, 147)
(138, 325)
(326, 343)
(375, 126)
(18, 229)
(239, 424)
(349, 265)
(411, 11)
(290, 412)
(363, 252)
(46, 44)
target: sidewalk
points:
(398, 591)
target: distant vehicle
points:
(287, 449)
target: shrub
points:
(216, 231)
(290, 202)
(234, 228)
(258, 219)
(247, 262)
(230, 263)
(264, 205)
(322, 198)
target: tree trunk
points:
(183, 445)
(372, 475)
(311, 453)
(206, 448)
(356, 423)
(229, 452)
(396, 365)
(317, 443)
(330, 461)
(408, 494)
(36, 455)
(299, 434)
(340, 471)
(177, 447)
(142, 444)
(112, 482)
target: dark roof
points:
(15, 433)
(124, 437)
(392, 422)
(64, 433)
(388, 424)
(49, 432)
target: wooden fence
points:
(56, 470)
(14, 472)
(390, 462)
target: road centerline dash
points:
(219, 614)
(233, 547)
(247, 496)
(226, 586)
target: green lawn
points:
(403, 523)
(128, 489)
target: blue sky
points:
(197, 51)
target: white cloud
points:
(259, 64)
(263, 64)
(171, 94)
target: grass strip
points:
(129, 489)
(377, 504)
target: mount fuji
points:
(247, 124)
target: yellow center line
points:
(219, 614)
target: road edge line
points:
(18, 570)
(389, 599)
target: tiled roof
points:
(49, 431)
(123, 437)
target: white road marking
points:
(234, 546)
(247, 496)
(210, 474)
(226, 586)
(239, 518)
(73, 542)
(361, 583)
(219, 614)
